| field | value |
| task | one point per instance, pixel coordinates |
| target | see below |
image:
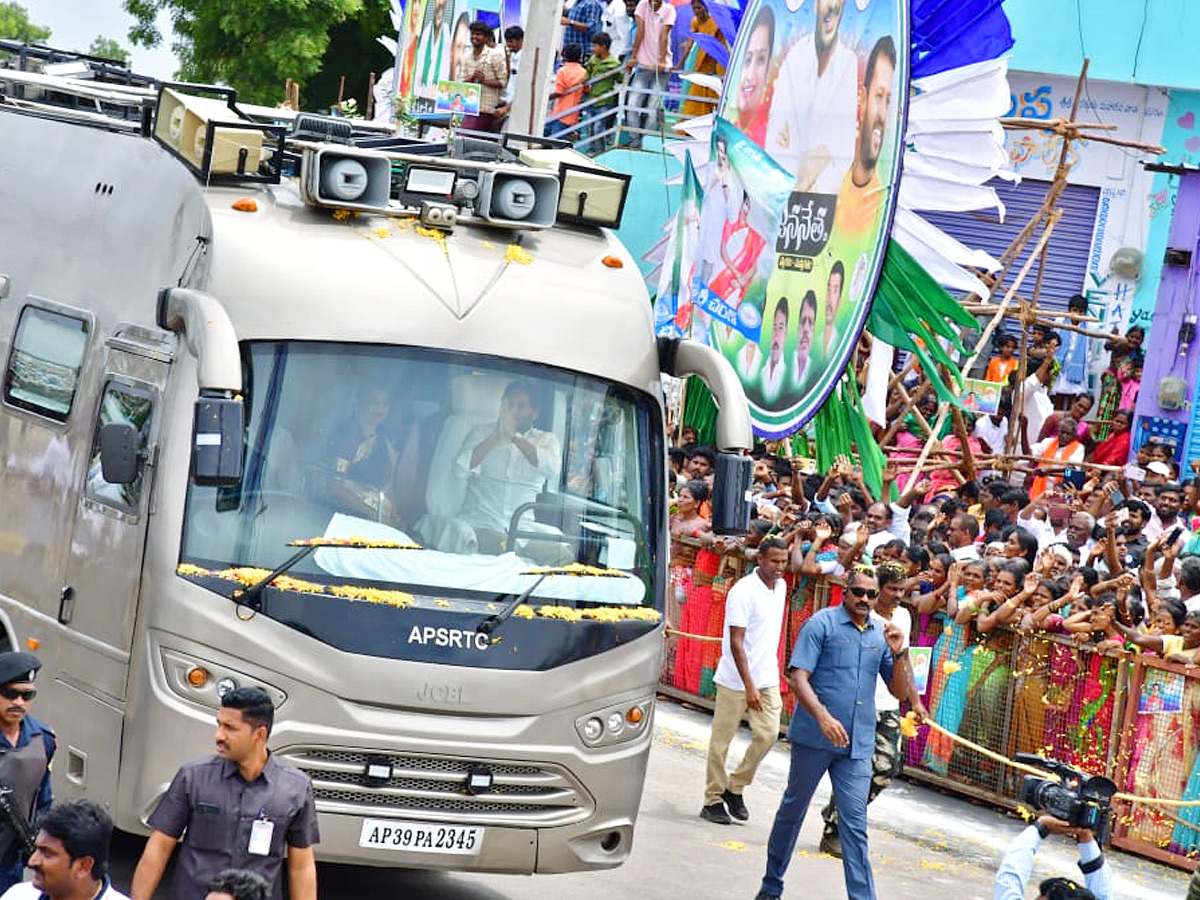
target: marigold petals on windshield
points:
(403, 600)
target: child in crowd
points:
(568, 92)
(1000, 367)
(603, 72)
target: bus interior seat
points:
(474, 400)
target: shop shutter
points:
(1070, 243)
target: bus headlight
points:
(204, 682)
(616, 723)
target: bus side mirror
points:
(217, 441)
(119, 453)
(731, 494)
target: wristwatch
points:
(1042, 829)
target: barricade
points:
(1157, 757)
(1013, 692)
(1132, 718)
(700, 580)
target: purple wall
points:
(1178, 296)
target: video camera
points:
(1079, 799)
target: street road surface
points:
(924, 846)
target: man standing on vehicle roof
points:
(242, 808)
(26, 748)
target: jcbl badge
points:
(260, 837)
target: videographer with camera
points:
(1076, 804)
(1014, 869)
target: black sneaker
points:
(715, 813)
(736, 805)
(831, 843)
(763, 895)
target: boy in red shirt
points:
(568, 92)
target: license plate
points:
(420, 837)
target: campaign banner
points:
(460, 98)
(799, 192)
(982, 397)
(673, 308)
(920, 658)
(436, 40)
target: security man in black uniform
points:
(241, 809)
(26, 748)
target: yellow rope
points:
(675, 632)
(990, 754)
(1004, 760)
(971, 745)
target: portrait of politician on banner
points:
(798, 196)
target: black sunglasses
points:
(9, 693)
(863, 592)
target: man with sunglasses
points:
(26, 748)
(839, 655)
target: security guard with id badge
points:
(240, 809)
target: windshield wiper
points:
(494, 621)
(252, 596)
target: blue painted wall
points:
(651, 201)
(1143, 41)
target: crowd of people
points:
(636, 43)
(1029, 581)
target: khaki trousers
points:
(764, 731)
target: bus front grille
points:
(435, 788)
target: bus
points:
(374, 423)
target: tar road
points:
(924, 844)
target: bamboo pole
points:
(960, 431)
(991, 326)
(990, 307)
(1017, 420)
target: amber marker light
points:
(613, 262)
(245, 204)
(197, 676)
(635, 715)
(32, 643)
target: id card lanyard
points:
(261, 832)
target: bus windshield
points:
(474, 479)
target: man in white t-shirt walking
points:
(747, 681)
(886, 760)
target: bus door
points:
(98, 603)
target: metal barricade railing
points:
(605, 120)
(1014, 692)
(1157, 756)
(1134, 719)
(700, 580)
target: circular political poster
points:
(797, 196)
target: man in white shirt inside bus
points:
(506, 463)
